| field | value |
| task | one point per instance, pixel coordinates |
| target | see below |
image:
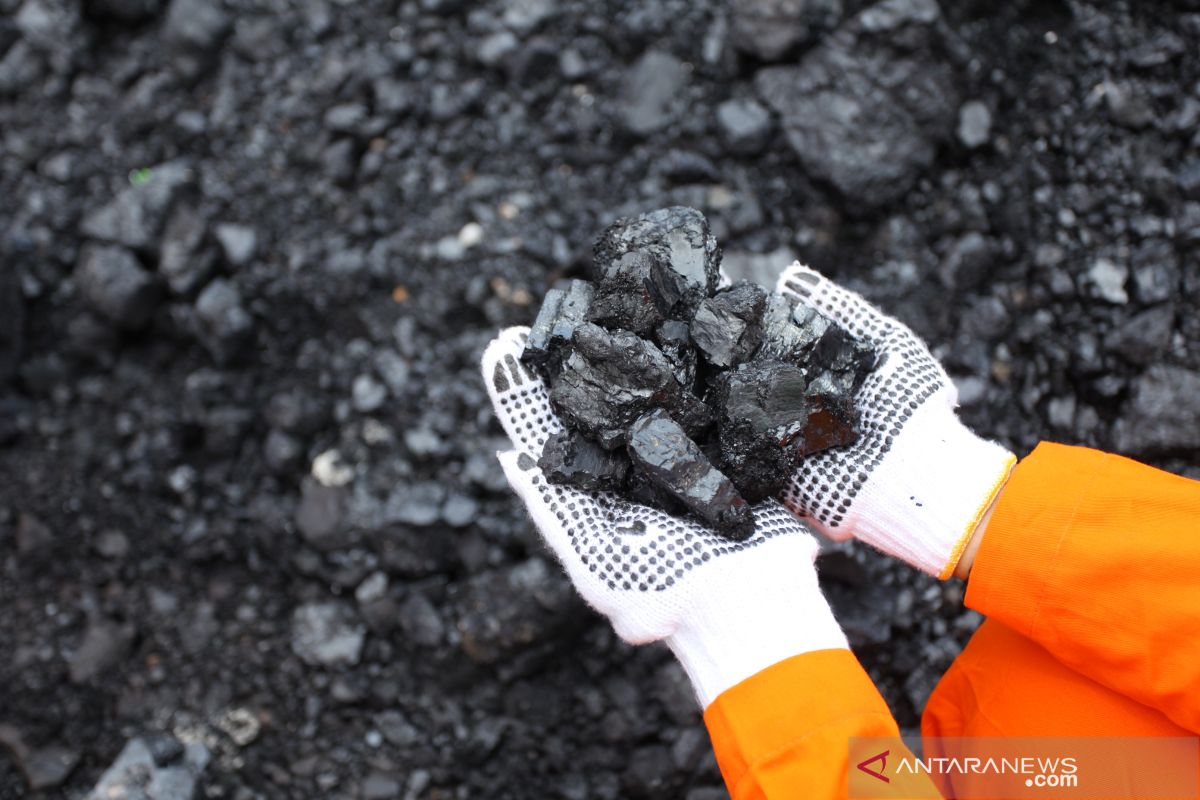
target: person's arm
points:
(1097, 558)
(785, 732)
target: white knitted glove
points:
(726, 609)
(917, 482)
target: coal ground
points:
(251, 251)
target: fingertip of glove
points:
(515, 462)
(798, 280)
(501, 362)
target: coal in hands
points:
(683, 396)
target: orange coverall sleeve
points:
(784, 732)
(1097, 558)
(1093, 556)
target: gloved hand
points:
(917, 482)
(726, 609)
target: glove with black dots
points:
(917, 482)
(726, 609)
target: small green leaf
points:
(139, 176)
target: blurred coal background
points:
(250, 250)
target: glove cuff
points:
(763, 611)
(931, 490)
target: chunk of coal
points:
(663, 453)
(116, 286)
(104, 645)
(727, 327)
(674, 339)
(789, 335)
(654, 88)
(641, 489)
(744, 125)
(136, 774)
(763, 411)
(196, 25)
(848, 359)
(832, 416)
(223, 324)
(625, 296)
(686, 258)
(611, 379)
(569, 458)
(135, 217)
(870, 138)
(564, 308)
(769, 29)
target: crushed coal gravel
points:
(416, 177)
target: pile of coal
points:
(682, 395)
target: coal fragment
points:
(1108, 279)
(569, 458)
(653, 93)
(116, 286)
(832, 416)
(327, 634)
(564, 308)
(687, 261)
(104, 645)
(1142, 339)
(136, 216)
(185, 260)
(1162, 415)
(44, 767)
(846, 360)
(626, 295)
(503, 612)
(663, 453)
(641, 489)
(196, 25)
(610, 380)
(32, 534)
(769, 29)
(238, 242)
(763, 412)
(224, 326)
(869, 137)
(790, 334)
(974, 124)
(164, 748)
(320, 513)
(136, 774)
(727, 327)
(745, 125)
(674, 339)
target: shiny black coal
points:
(682, 395)
(569, 457)
(663, 452)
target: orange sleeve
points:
(785, 732)
(1097, 558)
